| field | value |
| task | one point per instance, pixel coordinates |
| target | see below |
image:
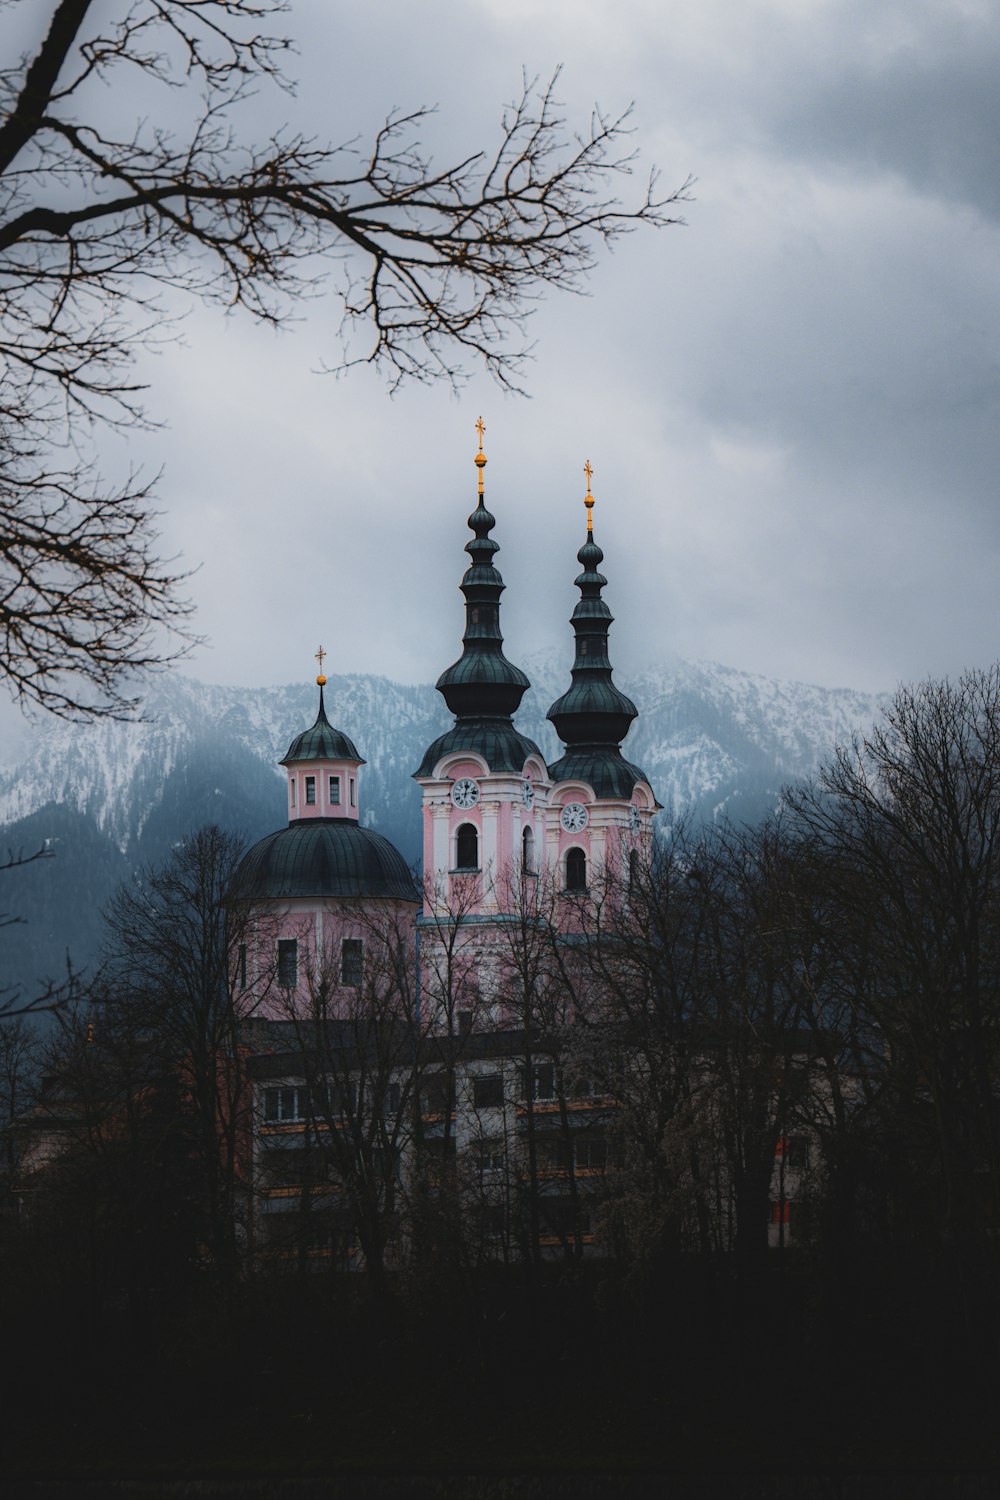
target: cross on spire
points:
(320, 657)
(589, 499)
(480, 459)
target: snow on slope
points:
(704, 731)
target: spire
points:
(593, 712)
(321, 741)
(482, 683)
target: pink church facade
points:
(502, 829)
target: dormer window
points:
(310, 791)
(334, 791)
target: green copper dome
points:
(323, 858)
(321, 742)
(482, 683)
(593, 711)
(604, 770)
(482, 688)
(502, 746)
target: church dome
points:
(321, 741)
(323, 858)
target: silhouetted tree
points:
(102, 212)
(174, 982)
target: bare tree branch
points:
(101, 217)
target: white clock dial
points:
(527, 793)
(465, 792)
(574, 817)
(634, 818)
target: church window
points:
(310, 791)
(334, 791)
(467, 848)
(354, 792)
(576, 870)
(292, 786)
(288, 963)
(351, 961)
(241, 967)
(528, 852)
(633, 872)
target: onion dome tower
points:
(595, 788)
(484, 782)
(311, 882)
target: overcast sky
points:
(791, 405)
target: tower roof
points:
(321, 741)
(593, 716)
(323, 858)
(482, 688)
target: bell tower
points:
(601, 806)
(485, 787)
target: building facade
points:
(398, 1019)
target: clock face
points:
(574, 817)
(465, 792)
(527, 793)
(633, 818)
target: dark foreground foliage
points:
(689, 1372)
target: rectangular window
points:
(351, 961)
(487, 1091)
(490, 1154)
(434, 1094)
(793, 1151)
(288, 963)
(310, 791)
(334, 791)
(354, 792)
(538, 1081)
(241, 967)
(590, 1153)
(390, 1104)
(292, 786)
(285, 1104)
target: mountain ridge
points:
(112, 797)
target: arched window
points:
(576, 870)
(528, 852)
(467, 848)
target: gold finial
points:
(320, 656)
(589, 500)
(480, 456)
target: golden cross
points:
(320, 655)
(589, 499)
(480, 428)
(589, 473)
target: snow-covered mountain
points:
(110, 797)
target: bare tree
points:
(906, 831)
(174, 983)
(100, 216)
(19, 1058)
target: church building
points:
(343, 934)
